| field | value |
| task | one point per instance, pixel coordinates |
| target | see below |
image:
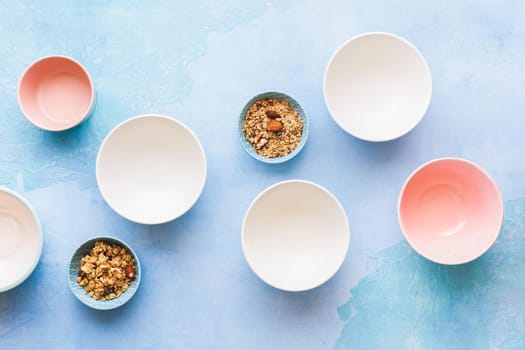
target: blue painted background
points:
(200, 61)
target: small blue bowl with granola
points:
(273, 127)
(104, 273)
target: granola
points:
(107, 271)
(273, 127)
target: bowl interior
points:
(248, 146)
(295, 235)
(377, 87)
(56, 93)
(21, 239)
(450, 211)
(151, 169)
(79, 291)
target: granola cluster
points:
(273, 127)
(107, 271)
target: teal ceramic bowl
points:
(248, 146)
(78, 290)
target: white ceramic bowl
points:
(151, 169)
(20, 239)
(295, 235)
(377, 86)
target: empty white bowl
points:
(377, 86)
(295, 235)
(20, 239)
(151, 169)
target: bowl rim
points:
(341, 210)
(40, 237)
(67, 126)
(98, 304)
(155, 116)
(484, 173)
(295, 151)
(393, 36)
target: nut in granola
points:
(275, 125)
(273, 114)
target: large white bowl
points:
(151, 169)
(377, 86)
(295, 235)
(20, 239)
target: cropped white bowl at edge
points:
(21, 239)
(151, 169)
(377, 86)
(295, 235)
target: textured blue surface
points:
(200, 61)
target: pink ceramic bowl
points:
(450, 211)
(56, 93)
